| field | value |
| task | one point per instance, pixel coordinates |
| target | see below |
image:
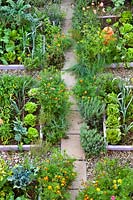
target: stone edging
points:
(121, 65)
(16, 147)
(12, 67)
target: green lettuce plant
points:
(32, 133)
(30, 107)
(30, 120)
(113, 135)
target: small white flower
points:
(101, 4)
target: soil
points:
(121, 72)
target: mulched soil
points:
(20, 72)
(121, 72)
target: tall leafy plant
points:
(125, 99)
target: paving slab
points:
(70, 60)
(67, 8)
(80, 168)
(72, 147)
(75, 122)
(69, 79)
(67, 26)
(74, 106)
(74, 194)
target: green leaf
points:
(3, 61)
(18, 137)
(10, 46)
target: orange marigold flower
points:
(46, 178)
(1, 121)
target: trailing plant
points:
(91, 140)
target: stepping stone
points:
(67, 7)
(73, 147)
(69, 79)
(70, 60)
(80, 168)
(74, 106)
(67, 26)
(75, 122)
(74, 194)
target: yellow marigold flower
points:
(73, 174)
(58, 192)
(19, 58)
(98, 189)
(114, 181)
(58, 187)
(115, 186)
(119, 181)
(49, 187)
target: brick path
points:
(72, 144)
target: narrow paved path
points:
(72, 144)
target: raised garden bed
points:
(31, 177)
(115, 147)
(31, 117)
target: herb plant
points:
(91, 141)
